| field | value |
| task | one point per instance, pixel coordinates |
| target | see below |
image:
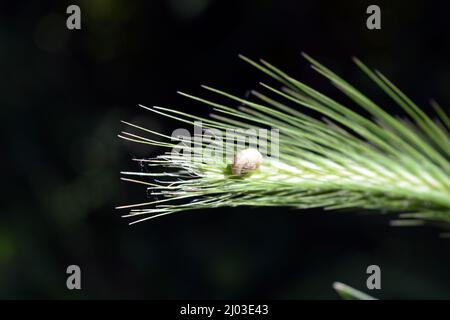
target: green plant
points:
(339, 159)
(348, 293)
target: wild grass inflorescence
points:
(339, 159)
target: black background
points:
(63, 94)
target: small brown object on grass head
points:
(246, 161)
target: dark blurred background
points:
(63, 94)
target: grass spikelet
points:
(337, 159)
